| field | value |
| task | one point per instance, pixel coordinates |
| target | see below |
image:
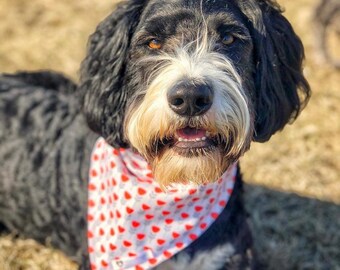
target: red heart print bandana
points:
(132, 223)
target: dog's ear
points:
(102, 72)
(281, 89)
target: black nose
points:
(189, 99)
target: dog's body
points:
(187, 84)
(45, 149)
(52, 205)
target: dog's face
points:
(190, 76)
(189, 84)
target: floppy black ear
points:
(102, 72)
(281, 89)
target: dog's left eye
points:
(227, 39)
(155, 44)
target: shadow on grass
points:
(293, 232)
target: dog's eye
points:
(228, 39)
(155, 44)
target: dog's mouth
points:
(192, 138)
(189, 141)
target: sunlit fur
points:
(152, 120)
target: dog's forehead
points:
(206, 6)
(163, 14)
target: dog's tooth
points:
(198, 139)
(204, 138)
(180, 139)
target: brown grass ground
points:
(293, 191)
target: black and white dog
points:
(186, 84)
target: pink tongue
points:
(191, 133)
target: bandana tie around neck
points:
(133, 223)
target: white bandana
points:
(133, 223)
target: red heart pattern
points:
(141, 191)
(145, 207)
(169, 221)
(175, 235)
(128, 212)
(153, 261)
(148, 217)
(155, 229)
(160, 241)
(135, 224)
(127, 195)
(140, 236)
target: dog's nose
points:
(190, 100)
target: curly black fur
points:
(45, 142)
(279, 78)
(45, 145)
(102, 72)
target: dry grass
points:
(291, 231)
(29, 255)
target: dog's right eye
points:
(155, 44)
(228, 39)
